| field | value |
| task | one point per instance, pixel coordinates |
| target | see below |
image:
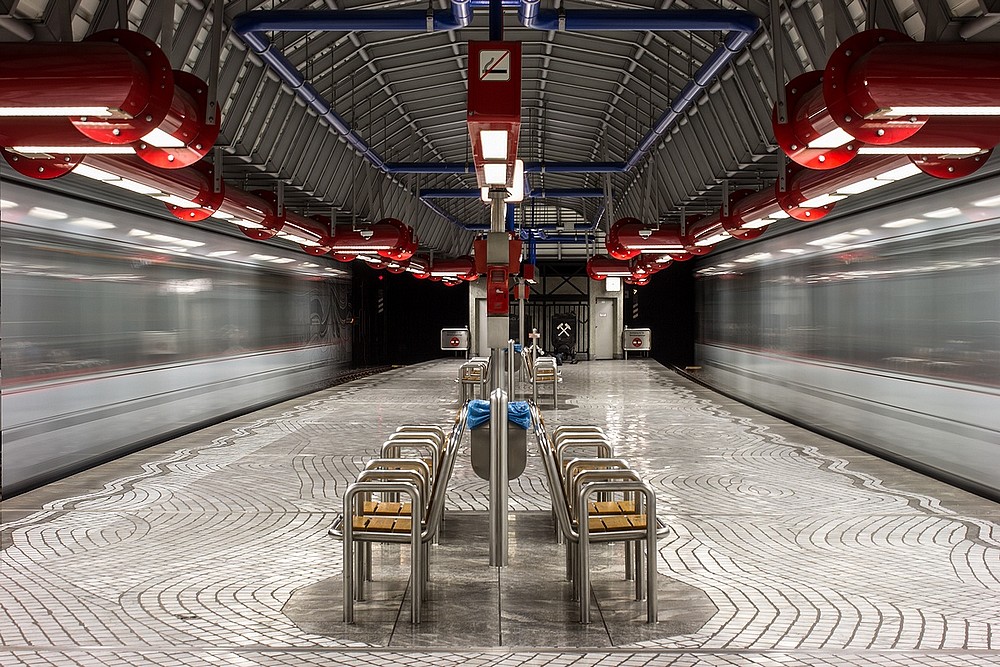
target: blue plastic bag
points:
(479, 413)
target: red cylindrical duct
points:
(96, 76)
(193, 184)
(406, 245)
(256, 208)
(144, 115)
(43, 132)
(381, 235)
(311, 234)
(635, 235)
(807, 184)
(463, 268)
(600, 267)
(882, 74)
(185, 127)
(736, 223)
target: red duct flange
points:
(187, 122)
(809, 120)
(942, 167)
(159, 93)
(848, 91)
(639, 281)
(647, 265)
(194, 183)
(615, 246)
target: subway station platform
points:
(785, 548)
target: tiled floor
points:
(788, 549)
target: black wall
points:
(667, 306)
(398, 319)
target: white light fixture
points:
(756, 224)
(494, 143)
(613, 284)
(942, 213)
(793, 251)
(899, 173)
(138, 232)
(160, 139)
(822, 200)
(23, 112)
(97, 149)
(905, 222)
(90, 223)
(941, 111)
(515, 192)
(919, 150)
(712, 240)
(221, 253)
(222, 215)
(135, 186)
(4, 203)
(778, 215)
(96, 174)
(495, 174)
(282, 260)
(264, 258)
(47, 213)
(832, 139)
(179, 202)
(862, 186)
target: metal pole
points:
(498, 478)
(510, 368)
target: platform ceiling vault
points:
(586, 97)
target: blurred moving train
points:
(121, 329)
(881, 328)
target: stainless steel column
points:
(498, 478)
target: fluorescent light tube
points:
(833, 139)
(942, 111)
(179, 202)
(160, 139)
(919, 150)
(15, 112)
(135, 186)
(495, 174)
(822, 200)
(100, 149)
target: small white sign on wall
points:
(613, 284)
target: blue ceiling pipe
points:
(552, 193)
(529, 167)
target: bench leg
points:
(583, 580)
(651, 555)
(629, 561)
(360, 570)
(348, 568)
(637, 548)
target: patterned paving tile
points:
(810, 557)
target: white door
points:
(603, 318)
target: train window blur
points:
(74, 306)
(927, 306)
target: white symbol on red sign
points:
(494, 65)
(637, 342)
(455, 341)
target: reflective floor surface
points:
(786, 548)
